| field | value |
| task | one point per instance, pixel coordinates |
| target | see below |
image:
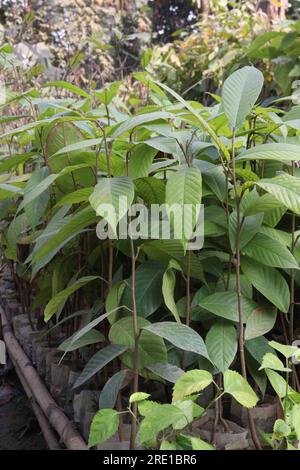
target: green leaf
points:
(57, 302)
(76, 337)
(148, 282)
(139, 120)
(278, 383)
(168, 287)
(270, 361)
(112, 193)
(191, 382)
(181, 336)
(190, 410)
(37, 190)
(200, 120)
(260, 321)
(67, 86)
(296, 420)
(34, 210)
(257, 204)
(199, 444)
(98, 361)
(275, 151)
(81, 195)
(225, 305)
(281, 429)
(108, 93)
(258, 376)
(166, 445)
(239, 94)
(166, 371)
(238, 387)
(138, 396)
(161, 417)
(285, 188)
(184, 189)
(140, 161)
(91, 337)
(221, 343)
(286, 350)
(104, 425)
(258, 347)
(113, 300)
(270, 252)
(151, 190)
(82, 144)
(250, 226)
(109, 392)
(151, 348)
(165, 250)
(269, 282)
(80, 220)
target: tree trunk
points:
(273, 12)
(205, 8)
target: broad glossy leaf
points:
(82, 144)
(98, 361)
(151, 190)
(275, 151)
(181, 336)
(221, 343)
(108, 93)
(285, 349)
(285, 188)
(258, 347)
(138, 396)
(296, 420)
(109, 392)
(148, 286)
(260, 321)
(151, 348)
(58, 301)
(140, 161)
(81, 195)
(278, 383)
(225, 305)
(81, 164)
(112, 193)
(165, 250)
(239, 94)
(166, 371)
(270, 361)
(91, 337)
(160, 418)
(79, 220)
(34, 210)
(269, 282)
(104, 425)
(139, 120)
(250, 226)
(168, 287)
(238, 387)
(184, 189)
(270, 252)
(67, 86)
(191, 382)
(199, 444)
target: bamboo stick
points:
(54, 414)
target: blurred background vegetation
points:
(192, 45)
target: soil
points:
(19, 429)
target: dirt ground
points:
(19, 429)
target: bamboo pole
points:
(47, 431)
(54, 414)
